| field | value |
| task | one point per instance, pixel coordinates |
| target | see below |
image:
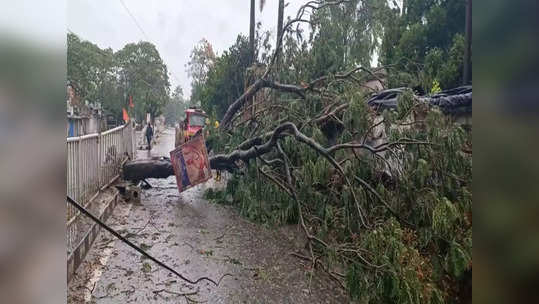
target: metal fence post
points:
(98, 152)
(79, 170)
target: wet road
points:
(197, 239)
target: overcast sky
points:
(173, 26)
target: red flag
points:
(131, 105)
(125, 115)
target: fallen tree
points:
(380, 182)
(450, 102)
(140, 169)
(274, 154)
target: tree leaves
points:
(425, 32)
(144, 76)
(104, 76)
(419, 257)
(218, 80)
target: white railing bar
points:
(82, 137)
(88, 136)
(113, 130)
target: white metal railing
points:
(93, 161)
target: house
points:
(82, 117)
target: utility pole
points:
(280, 19)
(252, 33)
(466, 77)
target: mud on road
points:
(197, 238)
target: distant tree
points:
(174, 110)
(421, 32)
(201, 60)
(224, 81)
(92, 72)
(110, 78)
(87, 65)
(143, 75)
(341, 37)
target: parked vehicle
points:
(195, 120)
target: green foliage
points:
(458, 260)
(419, 262)
(174, 110)
(424, 255)
(91, 71)
(425, 43)
(435, 87)
(397, 273)
(444, 217)
(87, 65)
(446, 66)
(223, 81)
(144, 76)
(405, 105)
(344, 36)
(110, 77)
(258, 201)
(201, 60)
(356, 116)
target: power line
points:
(135, 20)
(137, 248)
(143, 32)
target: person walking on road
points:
(149, 135)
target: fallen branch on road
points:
(190, 293)
(334, 275)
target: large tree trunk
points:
(161, 167)
(252, 32)
(158, 167)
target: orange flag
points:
(125, 116)
(131, 105)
